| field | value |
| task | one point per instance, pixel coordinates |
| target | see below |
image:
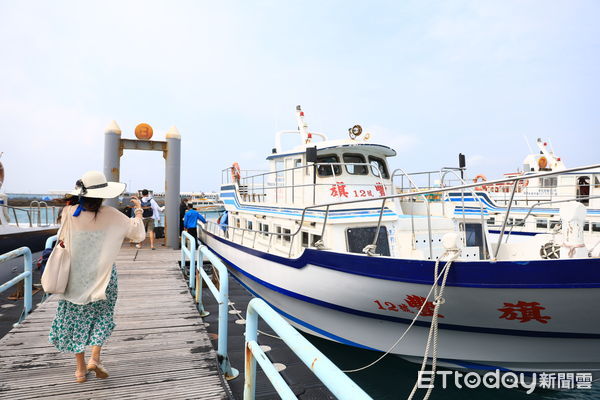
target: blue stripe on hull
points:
(511, 332)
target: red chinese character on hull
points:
(524, 312)
(379, 187)
(338, 190)
(416, 302)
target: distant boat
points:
(15, 234)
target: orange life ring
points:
(481, 178)
(542, 162)
(236, 172)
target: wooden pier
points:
(159, 349)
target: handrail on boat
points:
(327, 206)
(15, 213)
(243, 182)
(446, 171)
(522, 223)
(25, 276)
(332, 377)
(222, 296)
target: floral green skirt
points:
(78, 325)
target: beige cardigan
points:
(93, 244)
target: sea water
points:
(393, 378)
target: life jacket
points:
(147, 208)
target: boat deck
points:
(159, 349)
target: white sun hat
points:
(94, 184)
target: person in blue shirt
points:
(190, 221)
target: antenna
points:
(528, 145)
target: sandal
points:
(98, 368)
(80, 377)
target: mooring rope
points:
(433, 287)
(433, 329)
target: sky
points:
(430, 78)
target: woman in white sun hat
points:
(95, 233)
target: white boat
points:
(535, 203)
(206, 202)
(323, 239)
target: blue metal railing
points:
(336, 381)
(190, 252)
(25, 276)
(50, 241)
(222, 297)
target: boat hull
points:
(531, 327)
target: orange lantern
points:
(143, 131)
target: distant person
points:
(182, 209)
(151, 216)
(85, 311)
(190, 221)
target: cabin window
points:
(554, 224)
(586, 227)
(297, 162)
(359, 238)
(519, 222)
(278, 230)
(541, 223)
(355, 169)
(279, 178)
(509, 222)
(378, 167)
(249, 225)
(314, 239)
(549, 182)
(264, 228)
(474, 237)
(326, 170)
(595, 226)
(596, 182)
(287, 236)
(491, 221)
(304, 239)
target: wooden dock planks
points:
(159, 349)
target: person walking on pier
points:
(190, 221)
(94, 236)
(151, 216)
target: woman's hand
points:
(136, 202)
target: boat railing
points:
(14, 211)
(453, 172)
(25, 276)
(416, 188)
(530, 212)
(431, 183)
(254, 187)
(370, 249)
(35, 208)
(340, 385)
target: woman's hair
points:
(89, 204)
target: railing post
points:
(249, 360)
(26, 276)
(222, 296)
(28, 268)
(190, 253)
